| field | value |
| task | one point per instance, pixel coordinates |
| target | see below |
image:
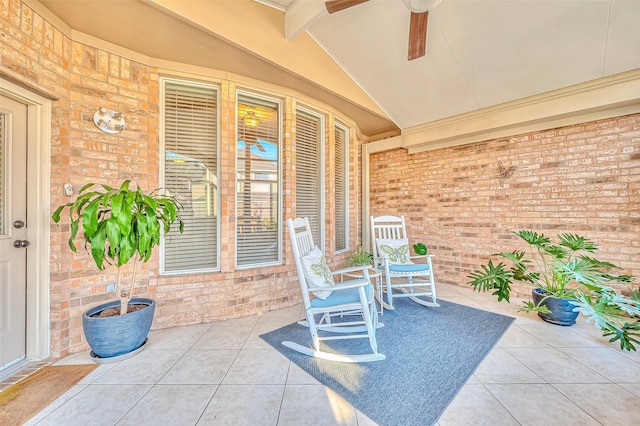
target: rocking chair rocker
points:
(328, 304)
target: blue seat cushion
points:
(413, 267)
(340, 297)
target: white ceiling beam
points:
(300, 15)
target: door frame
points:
(38, 213)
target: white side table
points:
(375, 277)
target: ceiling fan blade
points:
(418, 35)
(338, 5)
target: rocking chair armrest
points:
(420, 256)
(382, 260)
(355, 283)
(344, 285)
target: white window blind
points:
(341, 189)
(190, 129)
(309, 172)
(258, 182)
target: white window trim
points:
(347, 143)
(161, 172)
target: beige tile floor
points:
(224, 374)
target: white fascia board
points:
(598, 99)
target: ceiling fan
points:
(417, 28)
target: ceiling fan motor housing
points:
(420, 6)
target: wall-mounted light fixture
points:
(251, 120)
(108, 120)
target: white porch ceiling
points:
(480, 53)
(491, 65)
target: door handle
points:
(21, 243)
(18, 224)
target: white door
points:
(13, 231)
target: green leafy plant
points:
(566, 269)
(359, 257)
(120, 225)
(420, 249)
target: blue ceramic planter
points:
(561, 309)
(120, 334)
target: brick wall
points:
(463, 202)
(83, 78)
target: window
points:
(258, 181)
(189, 117)
(342, 188)
(309, 173)
(3, 168)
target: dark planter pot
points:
(561, 309)
(118, 335)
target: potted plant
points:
(120, 226)
(359, 257)
(567, 281)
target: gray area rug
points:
(431, 353)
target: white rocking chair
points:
(390, 247)
(347, 299)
